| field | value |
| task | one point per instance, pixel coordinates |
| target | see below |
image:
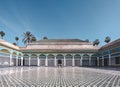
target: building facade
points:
(60, 52)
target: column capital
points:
(29, 55)
(38, 55)
(64, 55)
(11, 51)
(46, 55)
(81, 55)
(90, 54)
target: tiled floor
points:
(58, 77)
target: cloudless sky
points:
(57, 19)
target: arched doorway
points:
(25, 60)
(42, 60)
(60, 60)
(68, 60)
(33, 61)
(14, 55)
(85, 61)
(94, 60)
(77, 60)
(51, 60)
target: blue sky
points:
(82, 19)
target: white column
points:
(46, 60)
(38, 59)
(81, 59)
(55, 64)
(29, 59)
(21, 60)
(17, 60)
(97, 61)
(64, 59)
(109, 59)
(102, 60)
(90, 59)
(73, 60)
(10, 64)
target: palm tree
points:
(45, 37)
(96, 42)
(17, 38)
(34, 38)
(107, 39)
(28, 37)
(2, 34)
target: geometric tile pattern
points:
(58, 77)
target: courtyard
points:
(59, 77)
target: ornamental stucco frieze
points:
(61, 47)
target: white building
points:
(63, 52)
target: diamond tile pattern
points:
(58, 77)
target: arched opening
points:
(42, 60)
(106, 60)
(14, 60)
(51, 60)
(85, 61)
(26, 60)
(94, 60)
(68, 60)
(19, 59)
(77, 60)
(60, 60)
(4, 57)
(100, 60)
(33, 61)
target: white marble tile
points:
(58, 77)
